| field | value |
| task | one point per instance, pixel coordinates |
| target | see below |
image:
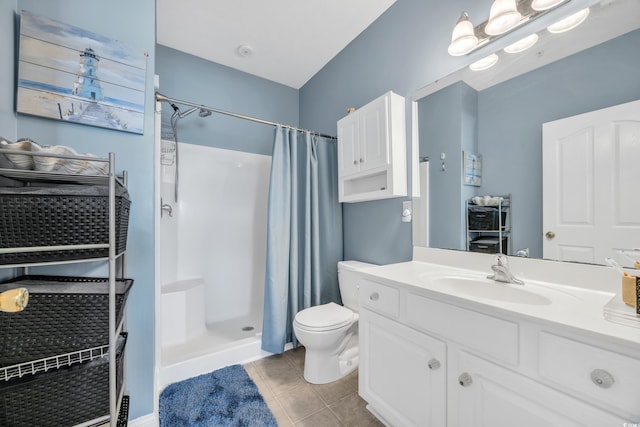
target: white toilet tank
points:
(347, 279)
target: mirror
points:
(498, 113)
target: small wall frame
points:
(471, 168)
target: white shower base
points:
(222, 344)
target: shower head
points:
(179, 114)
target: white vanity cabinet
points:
(493, 369)
(484, 394)
(372, 151)
(402, 371)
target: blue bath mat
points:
(223, 398)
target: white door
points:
(348, 145)
(591, 172)
(374, 133)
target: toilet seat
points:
(324, 317)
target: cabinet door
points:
(348, 145)
(400, 374)
(375, 133)
(492, 396)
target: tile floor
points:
(295, 402)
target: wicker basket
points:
(61, 215)
(60, 397)
(486, 218)
(64, 314)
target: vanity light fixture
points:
(570, 22)
(522, 44)
(503, 17)
(463, 39)
(484, 63)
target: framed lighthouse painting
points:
(71, 74)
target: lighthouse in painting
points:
(87, 84)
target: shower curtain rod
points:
(161, 97)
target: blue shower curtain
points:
(304, 232)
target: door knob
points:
(465, 379)
(550, 235)
(433, 364)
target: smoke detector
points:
(244, 50)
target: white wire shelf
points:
(55, 362)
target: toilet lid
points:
(323, 317)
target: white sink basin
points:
(478, 287)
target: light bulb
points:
(504, 16)
(463, 38)
(545, 4)
(522, 44)
(569, 23)
(484, 63)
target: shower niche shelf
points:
(372, 151)
(69, 376)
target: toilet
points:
(329, 332)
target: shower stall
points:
(211, 243)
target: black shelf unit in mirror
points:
(489, 224)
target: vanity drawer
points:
(610, 378)
(378, 297)
(497, 338)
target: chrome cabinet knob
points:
(355, 162)
(433, 364)
(374, 296)
(465, 379)
(602, 378)
(361, 160)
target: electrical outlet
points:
(407, 209)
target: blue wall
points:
(189, 78)
(448, 121)
(132, 23)
(404, 50)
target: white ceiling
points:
(290, 40)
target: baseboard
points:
(150, 420)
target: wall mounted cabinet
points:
(372, 151)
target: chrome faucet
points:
(501, 272)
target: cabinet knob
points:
(361, 160)
(355, 162)
(465, 379)
(602, 378)
(550, 235)
(374, 296)
(434, 364)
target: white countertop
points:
(577, 305)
